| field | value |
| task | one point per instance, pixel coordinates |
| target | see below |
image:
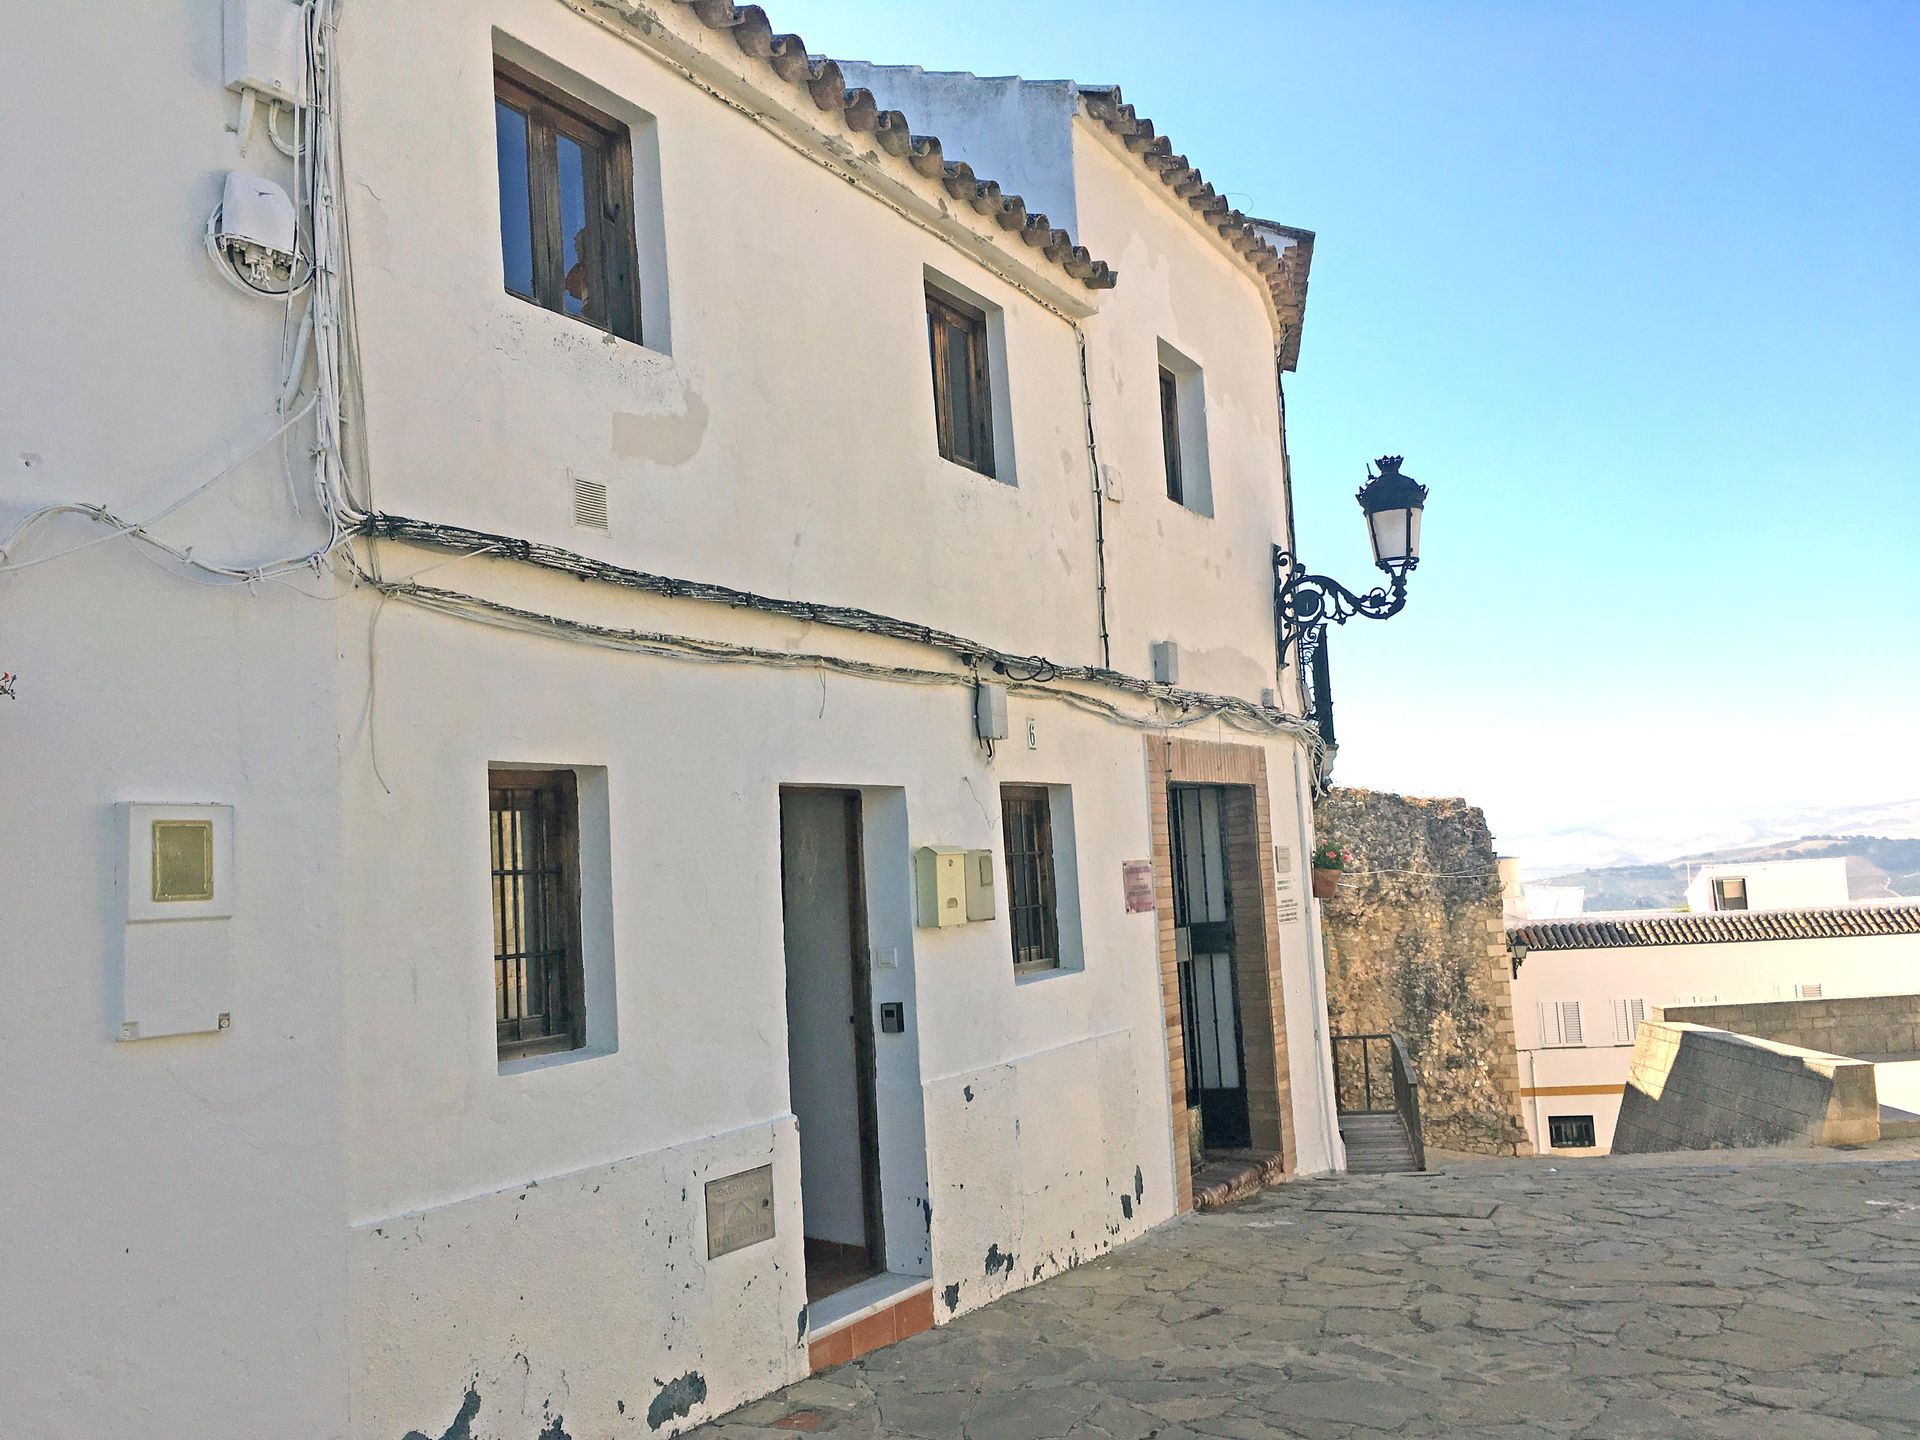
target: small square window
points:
(1730, 894)
(962, 381)
(1570, 1132)
(538, 985)
(566, 204)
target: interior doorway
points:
(830, 1056)
(1209, 975)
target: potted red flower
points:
(1328, 862)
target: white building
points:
(1768, 885)
(481, 719)
(1583, 985)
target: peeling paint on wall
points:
(676, 1399)
(462, 1426)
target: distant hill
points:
(1877, 868)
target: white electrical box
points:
(1166, 662)
(265, 48)
(979, 885)
(940, 880)
(177, 885)
(990, 711)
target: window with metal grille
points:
(1570, 1132)
(1026, 821)
(1170, 433)
(534, 828)
(962, 390)
(566, 204)
(1730, 894)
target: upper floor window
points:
(1183, 431)
(1730, 894)
(566, 204)
(962, 381)
(1170, 434)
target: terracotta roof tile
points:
(1718, 928)
(787, 56)
(1283, 269)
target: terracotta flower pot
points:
(1324, 883)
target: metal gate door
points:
(1209, 990)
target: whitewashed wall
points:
(338, 1217)
(172, 1245)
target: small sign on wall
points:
(1137, 878)
(1286, 896)
(739, 1211)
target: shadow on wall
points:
(1694, 1088)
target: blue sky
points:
(1636, 289)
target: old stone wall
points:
(1416, 943)
(1865, 1026)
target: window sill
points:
(525, 1064)
(1051, 972)
(576, 328)
(978, 473)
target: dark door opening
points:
(830, 1036)
(1209, 976)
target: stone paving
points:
(1757, 1297)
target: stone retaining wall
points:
(1864, 1025)
(1695, 1088)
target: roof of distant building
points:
(1613, 932)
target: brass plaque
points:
(183, 860)
(739, 1211)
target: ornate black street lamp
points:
(1304, 604)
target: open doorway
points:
(830, 1059)
(1209, 974)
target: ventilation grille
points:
(589, 504)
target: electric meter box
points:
(176, 880)
(940, 879)
(265, 49)
(979, 884)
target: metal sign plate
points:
(739, 1211)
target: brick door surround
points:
(1242, 769)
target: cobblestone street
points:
(1756, 1297)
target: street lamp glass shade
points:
(1392, 503)
(1396, 537)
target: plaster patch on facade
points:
(663, 439)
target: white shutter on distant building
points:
(1627, 1015)
(1560, 1022)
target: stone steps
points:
(1376, 1145)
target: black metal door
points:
(1209, 976)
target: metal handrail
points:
(1395, 1091)
(1406, 1098)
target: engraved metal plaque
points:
(739, 1211)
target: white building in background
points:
(614, 659)
(1768, 885)
(1582, 987)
